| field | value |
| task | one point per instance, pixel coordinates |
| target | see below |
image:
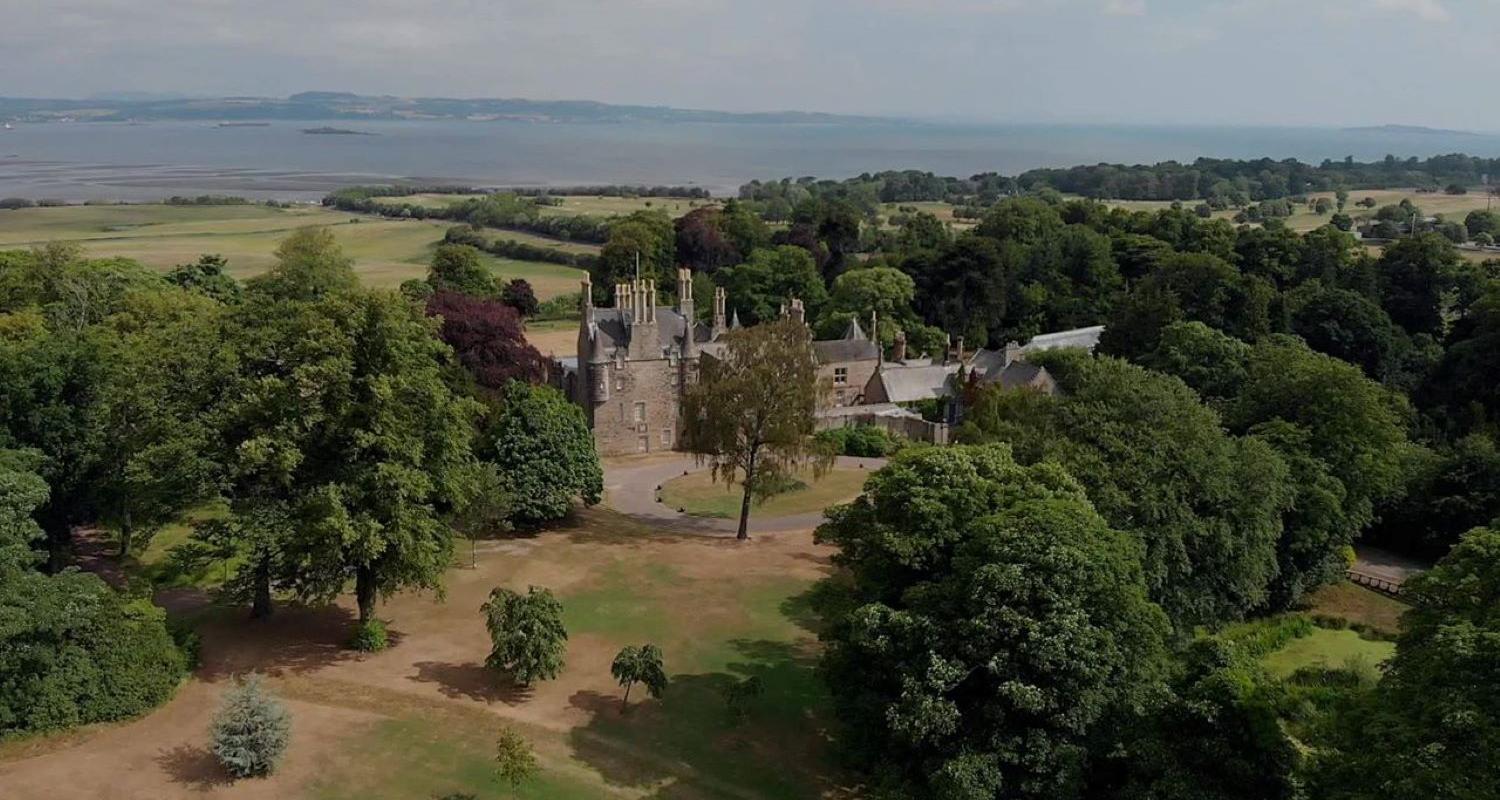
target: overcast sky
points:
(1278, 62)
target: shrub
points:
(73, 652)
(369, 637)
(865, 441)
(740, 695)
(515, 762)
(1263, 637)
(251, 731)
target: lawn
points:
(1327, 647)
(698, 494)
(385, 252)
(1359, 606)
(419, 720)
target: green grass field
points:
(386, 252)
(1358, 605)
(1327, 648)
(699, 495)
(581, 205)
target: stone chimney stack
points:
(622, 297)
(898, 353)
(1013, 352)
(721, 317)
(960, 350)
(798, 311)
(586, 301)
(685, 295)
(947, 347)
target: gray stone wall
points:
(641, 414)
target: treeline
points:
(1261, 401)
(522, 251)
(132, 398)
(1231, 182)
(492, 211)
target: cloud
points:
(1125, 8)
(1430, 10)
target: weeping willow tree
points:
(752, 412)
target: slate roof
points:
(846, 350)
(1015, 375)
(908, 384)
(613, 329)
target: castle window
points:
(666, 438)
(640, 412)
(840, 376)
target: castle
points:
(634, 358)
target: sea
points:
(141, 161)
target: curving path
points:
(630, 487)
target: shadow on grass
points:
(687, 743)
(470, 682)
(193, 766)
(296, 639)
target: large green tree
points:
(340, 418)
(544, 452)
(1157, 464)
(769, 279)
(994, 619)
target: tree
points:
(251, 731)
(526, 634)
(1345, 325)
(642, 665)
(209, 275)
(165, 366)
(1341, 196)
(751, 414)
(545, 454)
(645, 235)
(962, 288)
(1353, 424)
(518, 295)
(1428, 729)
(515, 762)
(1415, 272)
(962, 564)
(487, 338)
(72, 650)
(1214, 364)
(1205, 506)
(309, 264)
(340, 415)
(1478, 222)
(769, 279)
(701, 242)
(459, 268)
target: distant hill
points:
(1408, 129)
(344, 105)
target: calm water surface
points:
(140, 161)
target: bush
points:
(1263, 637)
(863, 441)
(251, 731)
(73, 651)
(369, 637)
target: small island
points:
(327, 131)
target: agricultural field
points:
(937, 208)
(1454, 207)
(386, 252)
(420, 719)
(582, 205)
